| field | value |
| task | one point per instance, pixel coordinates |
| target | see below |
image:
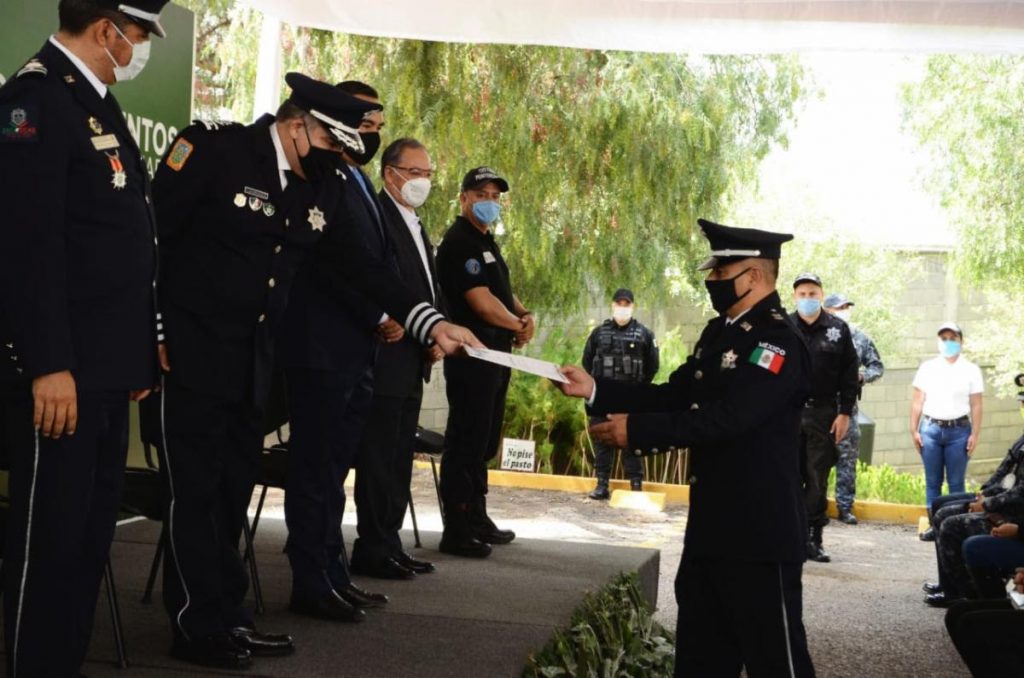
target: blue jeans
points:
(944, 452)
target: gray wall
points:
(933, 297)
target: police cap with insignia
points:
(145, 13)
(837, 301)
(339, 112)
(806, 277)
(730, 244)
(480, 176)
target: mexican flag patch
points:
(768, 359)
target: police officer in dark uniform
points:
(623, 349)
(834, 389)
(78, 322)
(476, 287)
(736, 404)
(242, 210)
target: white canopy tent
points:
(694, 26)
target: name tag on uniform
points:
(105, 142)
(489, 258)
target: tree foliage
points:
(611, 156)
(969, 112)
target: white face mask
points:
(415, 191)
(140, 57)
(622, 314)
(844, 315)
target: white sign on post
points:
(518, 455)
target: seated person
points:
(989, 634)
(991, 558)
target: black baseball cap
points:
(145, 13)
(479, 176)
(807, 278)
(729, 244)
(623, 293)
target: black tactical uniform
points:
(76, 294)
(736, 404)
(623, 353)
(834, 390)
(466, 259)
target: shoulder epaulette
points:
(33, 69)
(217, 125)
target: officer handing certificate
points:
(541, 368)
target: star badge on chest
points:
(729, 360)
(316, 219)
(833, 334)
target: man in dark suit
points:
(384, 462)
(331, 342)
(736, 404)
(78, 328)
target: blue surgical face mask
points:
(808, 306)
(949, 348)
(486, 211)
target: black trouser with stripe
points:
(328, 411)
(735, 615)
(383, 474)
(64, 496)
(476, 410)
(209, 458)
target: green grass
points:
(611, 635)
(884, 483)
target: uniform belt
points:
(819, 402)
(949, 423)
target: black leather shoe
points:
(847, 517)
(415, 564)
(939, 599)
(931, 587)
(600, 492)
(262, 644)
(927, 535)
(218, 652)
(389, 568)
(359, 598)
(466, 546)
(493, 535)
(330, 606)
(636, 486)
(816, 553)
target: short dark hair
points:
(393, 153)
(771, 268)
(355, 87)
(77, 15)
(288, 111)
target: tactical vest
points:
(620, 352)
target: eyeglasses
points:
(416, 172)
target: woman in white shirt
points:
(945, 417)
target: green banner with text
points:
(157, 104)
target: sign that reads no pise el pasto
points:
(518, 455)
(157, 104)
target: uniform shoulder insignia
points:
(33, 69)
(217, 125)
(18, 124)
(180, 153)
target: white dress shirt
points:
(282, 159)
(412, 222)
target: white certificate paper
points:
(541, 368)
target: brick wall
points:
(932, 297)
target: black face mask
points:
(319, 163)
(723, 292)
(371, 144)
